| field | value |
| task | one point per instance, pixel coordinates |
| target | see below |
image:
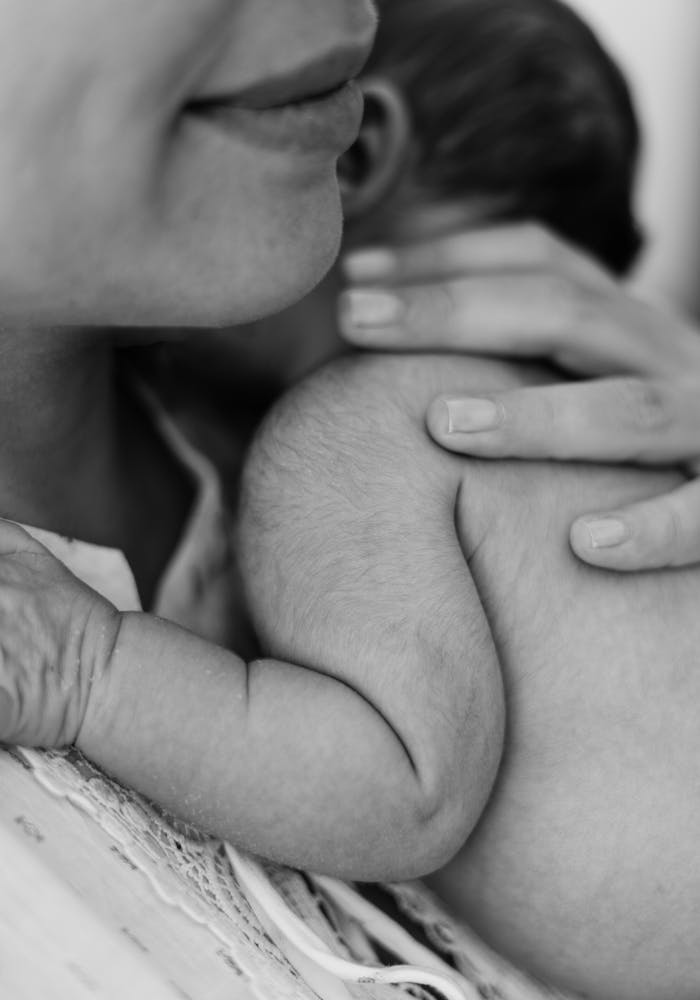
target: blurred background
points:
(658, 43)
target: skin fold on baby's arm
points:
(319, 766)
(352, 566)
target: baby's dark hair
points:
(518, 102)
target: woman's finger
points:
(515, 290)
(609, 420)
(525, 314)
(652, 534)
(508, 248)
(530, 314)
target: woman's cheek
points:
(116, 217)
(74, 163)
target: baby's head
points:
(505, 109)
(480, 110)
(476, 111)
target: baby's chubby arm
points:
(374, 758)
(282, 760)
(352, 565)
(270, 756)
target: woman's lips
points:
(312, 108)
(314, 78)
(327, 124)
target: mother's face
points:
(147, 173)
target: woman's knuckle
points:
(561, 303)
(646, 405)
(593, 316)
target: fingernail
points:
(365, 308)
(368, 265)
(607, 532)
(469, 415)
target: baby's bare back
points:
(584, 867)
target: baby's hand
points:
(55, 638)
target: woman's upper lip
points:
(300, 83)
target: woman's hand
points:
(55, 636)
(644, 421)
(520, 292)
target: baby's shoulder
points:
(370, 409)
(351, 440)
(347, 509)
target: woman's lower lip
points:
(328, 124)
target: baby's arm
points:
(352, 565)
(375, 755)
(280, 759)
(284, 760)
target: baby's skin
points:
(409, 601)
(583, 867)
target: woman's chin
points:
(220, 266)
(278, 266)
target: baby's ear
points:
(371, 169)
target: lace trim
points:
(191, 873)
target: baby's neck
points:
(78, 456)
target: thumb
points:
(15, 540)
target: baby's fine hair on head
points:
(517, 101)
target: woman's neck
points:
(58, 433)
(80, 458)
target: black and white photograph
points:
(349, 500)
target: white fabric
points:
(194, 589)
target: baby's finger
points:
(653, 534)
(608, 420)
